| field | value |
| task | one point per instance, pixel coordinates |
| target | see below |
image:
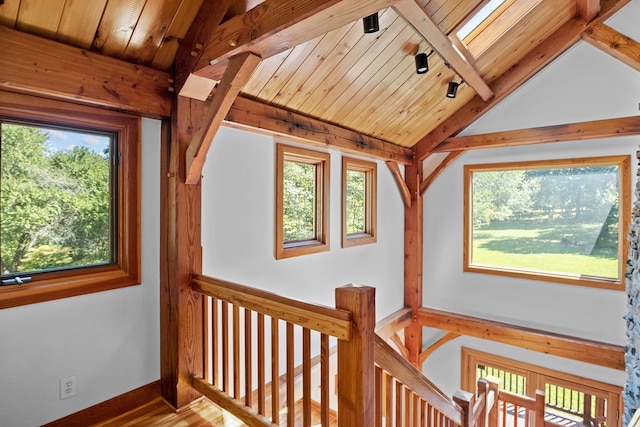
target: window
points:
(560, 220)
(302, 201)
(569, 399)
(69, 200)
(358, 202)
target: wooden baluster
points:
(248, 359)
(225, 347)
(325, 371)
(416, 410)
(539, 417)
(504, 414)
(236, 351)
(399, 405)
(379, 396)
(465, 400)
(291, 387)
(215, 336)
(207, 346)
(262, 395)
(388, 387)
(586, 410)
(275, 371)
(306, 377)
(356, 394)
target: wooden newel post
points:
(465, 400)
(539, 421)
(483, 389)
(356, 373)
(494, 387)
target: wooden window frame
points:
(624, 211)
(370, 169)
(46, 286)
(321, 161)
(537, 376)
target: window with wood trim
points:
(302, 201)
(569, 399)
(559, 220)
(359, 188)
(69, 200)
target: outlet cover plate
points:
(68, 387)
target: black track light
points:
(422, 62)
(371, 24)
(452, 89)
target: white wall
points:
(109, 340)
(238, 194)
(583, 84)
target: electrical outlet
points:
(67, 387)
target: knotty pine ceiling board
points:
(117, 25)
(520, 38)
(185, 14)
(150, 30)
(9, 13)
(79, 22)
(40, 18)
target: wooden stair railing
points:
(252, 337)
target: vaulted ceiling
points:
(315, 62)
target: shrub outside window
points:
(69, 189)
(359, 181)
(302, 201)
(560, 220)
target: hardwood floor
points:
(202, 412)
(158, 413)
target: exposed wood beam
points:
(567, 132)
(277, 121)
(449, 336)
(199, 35)
(415, 15)
(37, 66)
(594, 352)
(400, 345)
(588, 9)
(565, 37)
(614, 43)
(394, 322)
(237, 74)
(438, 170)
(413, 260)
(402, 186)
(275, 26)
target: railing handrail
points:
(389, 360)
(326, 320)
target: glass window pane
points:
(561, 220)
(56, 192)
(299, 201)
(356, 202)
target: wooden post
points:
(413, 238)
(539, 421)
(494, 387)
(465, 400)
(483, 388)
(181, 314)
(356, 372)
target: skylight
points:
(479, 18)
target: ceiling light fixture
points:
(422, 62)
(452, 89)
(371, 24)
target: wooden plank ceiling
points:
(363, 82)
